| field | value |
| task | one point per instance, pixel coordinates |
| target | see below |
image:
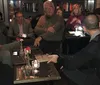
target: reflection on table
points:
(46, 72)
(25, 72)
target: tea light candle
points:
(35, 71)
(35, 65)
(15, 53)
(24, 35)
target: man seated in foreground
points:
(89, 57)
(6, 71)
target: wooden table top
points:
(47, 72)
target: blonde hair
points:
(76, 6)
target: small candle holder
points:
(24, 35)
(35, 66)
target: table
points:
(27, 41)
(20, 60)
(73, 44)
(47, 72)
(52, 75)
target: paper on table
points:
(42, 58)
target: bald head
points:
(91, 22)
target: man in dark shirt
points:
(84, 67)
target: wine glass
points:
(35, 66)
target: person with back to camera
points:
(84, 67)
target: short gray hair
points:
(91, 21)
(48, 3)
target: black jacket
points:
(86, 61)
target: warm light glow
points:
(91, 1)
(24, 35)
(11, 2)
(49, 0)
(19, 1)
(35, 71)
(15, 53)
(80, 28)
(10, 20)
(35, 65)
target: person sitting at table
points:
(75, 18)
(19, 26)
(59, 12)
(84, 67)
(49, 29)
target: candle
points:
(35, 71)
(35, 65)
(24, 35)
(15, 53)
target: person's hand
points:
(76, 26)
(73, 20)
(78, 21)
(53, 58)
(19, 39)
(37, 41)
(51, 29)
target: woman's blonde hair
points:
(76, 6)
